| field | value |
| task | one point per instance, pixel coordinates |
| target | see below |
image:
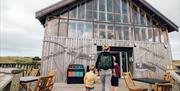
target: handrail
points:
(24, 66)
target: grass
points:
(15, 59)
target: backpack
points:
(105, 61)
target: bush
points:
(36, 58)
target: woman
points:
(115, 75)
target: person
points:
(115, 76)
(104, 65)
(90, 78)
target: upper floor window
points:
(142, 18)
(135, 15)
(117, 8)
(102, 5)
(73, 13)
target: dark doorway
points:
(123, 56)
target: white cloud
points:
(21, 34)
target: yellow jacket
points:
(90, 78)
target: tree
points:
(36, 58)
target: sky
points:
(21, 34)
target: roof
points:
(42, 14)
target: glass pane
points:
(89, 15)
(95, 5)
(81, 11)
(95, 33)
(110, 17)
(72, 29)
(117, 6)
(109, 5)
(135, 15)
(126, 33)
(117, 18)
(102, 35)
(125, 18)
(101, 26)
(137, 34)
(110, 35)
(64, 14)
(80, 29)
(118, 35)
(89, 5)
(156, 35)
(142, 18)
(95, 15)
(73, 13)
(124, 10)
(101, 16)
(144, 34)
(110, 27)
(131, 35)
(150, 35)
(88, 30)
(101, 5)
(148, 20)
(63, 28)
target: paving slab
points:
(98, 86)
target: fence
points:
(24, 66)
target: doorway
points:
(123, 57)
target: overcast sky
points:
(22, 35)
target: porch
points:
(9, 82)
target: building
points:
(75, 30)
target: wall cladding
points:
(59, 52)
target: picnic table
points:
(150, 81)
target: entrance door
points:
(124, 61)
(123, 57)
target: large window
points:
(80, 29)
(106, 19)
(73, 13)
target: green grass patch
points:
(15, 59)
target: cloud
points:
(22, 35)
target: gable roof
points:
(42, 14)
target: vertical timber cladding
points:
(155, 54)
(59, 52)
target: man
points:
(105, 64)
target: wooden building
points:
(75, 31)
